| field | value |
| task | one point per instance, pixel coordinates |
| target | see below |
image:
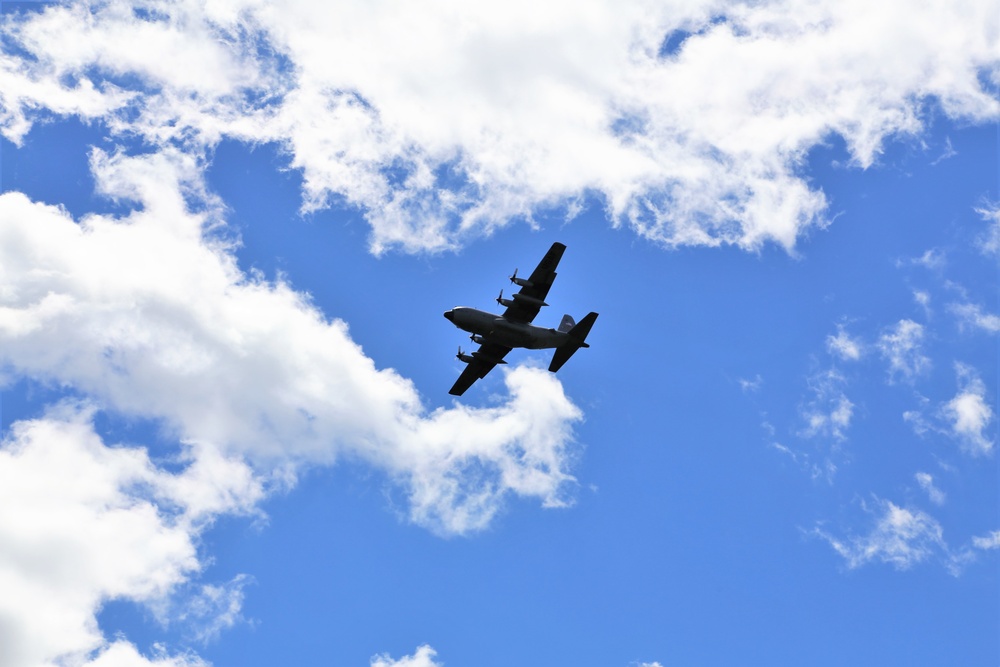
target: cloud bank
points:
(147, 315)
(82, 522)
(448, 120)
(151, 316)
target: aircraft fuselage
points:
(495, 328)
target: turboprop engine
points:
(520, 281)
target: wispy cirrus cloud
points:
(828, 412)
(844, 346)
(987, 542)
(926, 482)
(974, 317)
(902, 348)
(904, 537)
(900, 537)
(989, 241)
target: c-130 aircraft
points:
(498, 334)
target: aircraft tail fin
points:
(578, 336)
(566, 324)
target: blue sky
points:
(228, 233)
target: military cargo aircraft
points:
(496, 335)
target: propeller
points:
(513, 278)
(500, 298)
(460, 353)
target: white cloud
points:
(123, 654)
(81, 523)
(923, 299)
(751, 386)
(153, 318)
(926, 482)
(828, 413)
(902, 348)
(972, 315)
(933, 259)
(149, 315)
(947, 153)
(989, 243)
(447, 120)
(988, 542)
(844, 346)
(904, 537)
(209, 611)
(916, 420)
(901, 537)
(968, 413)
(422, 657)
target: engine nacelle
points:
(524, 298)
(519, 298)
(467, 358)
(477, 339)
(504, 302)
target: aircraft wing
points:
(484, 359)
(526, 308)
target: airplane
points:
(497, 335)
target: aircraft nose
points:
(449, 315)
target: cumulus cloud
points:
(445, 121)
(81, 523)
(968, 413)
(150, 315)
(902, 347)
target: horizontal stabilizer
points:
(580, 331)
(578, 336)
